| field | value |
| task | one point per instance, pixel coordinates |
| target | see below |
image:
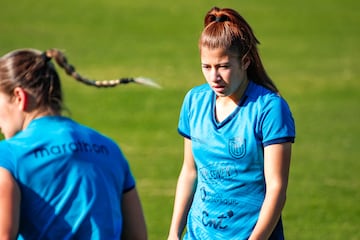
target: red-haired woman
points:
(238, 133)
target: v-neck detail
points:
(219, 125)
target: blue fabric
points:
(229, 159)
(71, 179)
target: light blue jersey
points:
(71, 179)
(229, 158)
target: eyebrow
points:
(219, 64)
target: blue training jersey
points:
(71, 179)
(229, 159)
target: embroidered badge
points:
(237, 147)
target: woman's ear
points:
(21, 98)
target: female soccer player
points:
(238, 134)
(58, 178)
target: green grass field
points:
(310, 48)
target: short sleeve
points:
(277, 123)
(129, 180)
(6, 158)
(183, 125)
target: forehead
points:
(216, 55)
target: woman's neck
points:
(226, 105)
(37, 114)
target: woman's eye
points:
(224, 66)
(206, 67)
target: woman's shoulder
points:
(199, 91)
(4, 146)
(264, 98)
(256, 92)
(202, 87)
(198, 95)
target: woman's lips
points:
(218, 88)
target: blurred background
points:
(309, 48)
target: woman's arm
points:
(276, 170)
(184, 193)
(9, 205)
(134, 226)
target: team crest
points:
(237, 147)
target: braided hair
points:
(227, 29)
(33, 71)
(61, 60)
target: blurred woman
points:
(238, 134)
(58, 178)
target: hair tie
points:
(221, 18)
(45, 57)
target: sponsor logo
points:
(216, 222)
(71, 147)
(217, 198)
(218, 174)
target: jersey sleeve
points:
(129, 180)
(183, 125)
(277, 123)
(6, 158)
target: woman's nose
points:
(215, 76)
